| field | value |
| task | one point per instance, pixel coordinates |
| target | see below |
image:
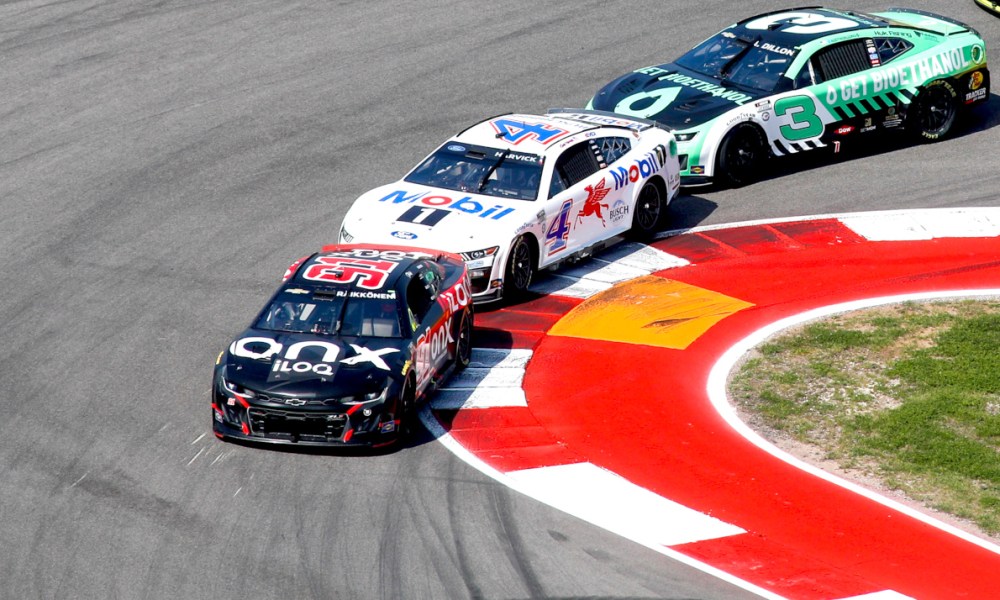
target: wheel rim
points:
(647, 209)
(742, 154)
(520, 265)
(937, 111)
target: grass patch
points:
(909, 393)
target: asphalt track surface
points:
(163, 162)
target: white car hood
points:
(439, 219)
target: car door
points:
(577, 206)
(427, 319)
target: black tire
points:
(407, 411)
(934, 111)
(649, 209)
(520, 269)
(463, 341)
(742, 155)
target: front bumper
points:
(304, 427)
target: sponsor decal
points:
(844, 130)
(602, 120)
(290, 361)
(456, 298)
(619, 211)
(404, 235)
(464, 204)
(698, 170)
(890, 76)
(892, 119)
(456, 148)
(868, 126)
(708, 87)
(431, 346)
(593, 203)
(516, 131)
(640, 168)
(979, 94)
(976, 81)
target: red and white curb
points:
(486, 418)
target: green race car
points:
(803, 79)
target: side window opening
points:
(841, 60)
(890, 48)
(575, 165)
(612, 148)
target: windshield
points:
(753, 64)
(481, 170)
(333, 312)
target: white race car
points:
(517, 193)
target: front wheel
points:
(463, 342)
(519, 271)
(649, 209)
(741, 155)
(935, 110)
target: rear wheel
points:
(741, 155)
(520, 269)
(649, 209)
(934, 111)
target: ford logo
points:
(456, 148)
(404, 235)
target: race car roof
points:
(530, 133)
(791, 32)
(351, 266)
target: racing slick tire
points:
(520, 269)
(650, 206)
(742, 156)
(407, 412)
(463, 341)
(934, 111)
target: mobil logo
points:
(465, 204)
(640, 168)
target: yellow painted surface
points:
(649, 310)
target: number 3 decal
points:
(805, 123)
(804, 23)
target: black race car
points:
(346, 349)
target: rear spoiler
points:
(606, 119)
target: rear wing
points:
(605, 118)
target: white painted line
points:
(883, 595)
(498, 357)
(972, 213)
(492, 380)
(622, 262)
(450, 399)
(924, 226)
(607, 500)
(462, 453)
(720, 400)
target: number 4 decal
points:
(558, 231)
(515, 131)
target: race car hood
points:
(312, 366)
(428, 217)
(674, 96)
